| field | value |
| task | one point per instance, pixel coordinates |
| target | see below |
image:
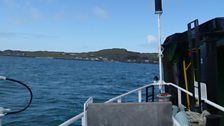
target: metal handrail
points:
(221, 108)
(118, 99)
(79, 116)
(72, 120)
(130, 92)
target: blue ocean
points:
(60, 87)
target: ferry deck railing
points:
(119, 98)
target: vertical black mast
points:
(158, 7)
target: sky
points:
(91, 25)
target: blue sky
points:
(90, 25)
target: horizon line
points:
(74, 51)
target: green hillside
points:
(112, 55)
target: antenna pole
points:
(159, 11)
(160, 52)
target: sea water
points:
(60, 87)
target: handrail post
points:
(147, 94)
(1, 115)
(119, 100)
(153, 93)
(179, 97)
(84, 119)
(3, 112)
(140, 96)
(0, 121)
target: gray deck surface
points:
(130, 114)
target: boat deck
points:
(129, 114)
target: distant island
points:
(106, 55)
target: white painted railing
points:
(138, 90)
(72, 120)
(119, 98)
(221, 108)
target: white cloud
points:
(152, 39)
(100, 12)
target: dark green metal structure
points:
(203, 47)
